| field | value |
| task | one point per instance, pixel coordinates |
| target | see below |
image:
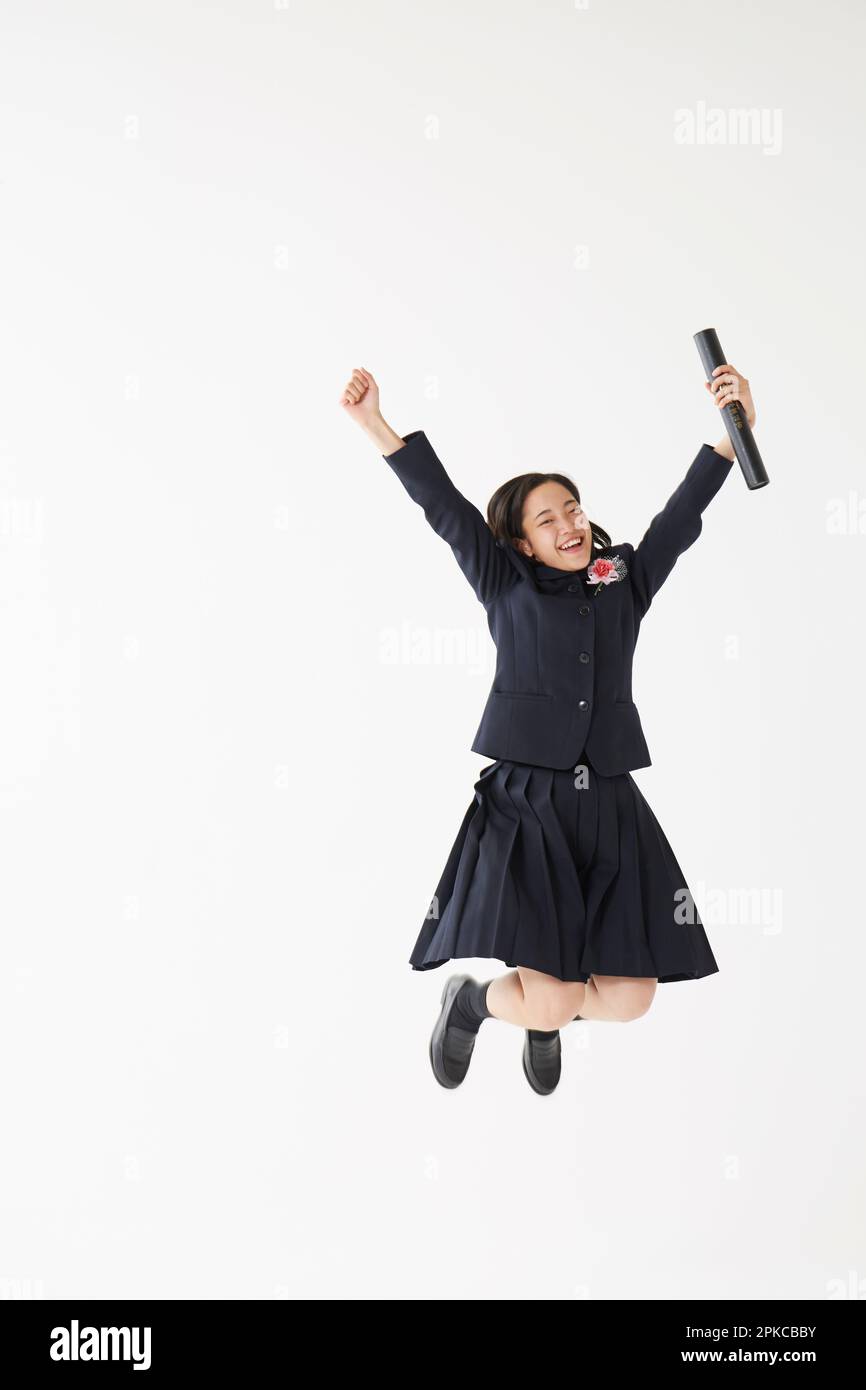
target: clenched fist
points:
(360, 398)
(727, 386)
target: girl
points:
(560, 869)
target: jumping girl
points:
(560, 869)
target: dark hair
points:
(505, 508)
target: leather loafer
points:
(542, 1062)
(450, 1057)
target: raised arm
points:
(677, 525)
(680, 522)
(451, 515)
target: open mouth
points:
(575, 544)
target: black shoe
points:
(542, 1061)
(450, 1046)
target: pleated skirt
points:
(567, 874)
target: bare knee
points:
(626, 999)
(553, 1003)
(551, 1014)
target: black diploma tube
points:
(745, 448)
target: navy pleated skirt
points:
(573, 880)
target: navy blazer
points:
(564, 648)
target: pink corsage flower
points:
(607, 569)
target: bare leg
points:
(531, 999)
(616, 998)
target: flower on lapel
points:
(607, 569)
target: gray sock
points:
(469, 1009)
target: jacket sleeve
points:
(677, 525)
(453, 517)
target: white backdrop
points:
(224, 807)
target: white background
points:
(223, 810)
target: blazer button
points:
(584, 607)
(584, 657)
(583, 704)
(574, 588)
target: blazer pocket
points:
(521, 695)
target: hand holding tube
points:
(734, 399)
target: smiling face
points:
(556, 528)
